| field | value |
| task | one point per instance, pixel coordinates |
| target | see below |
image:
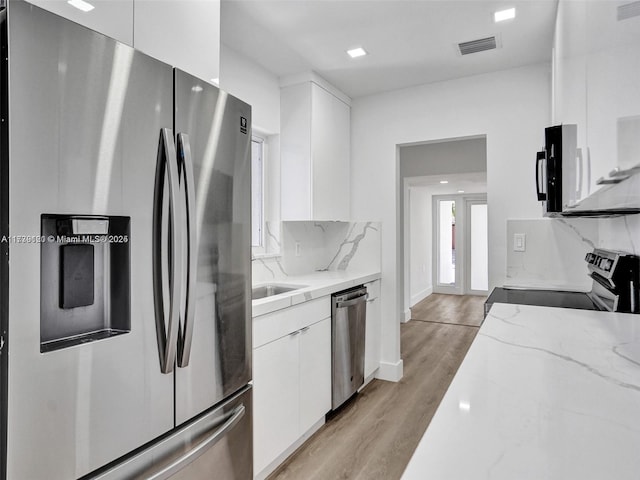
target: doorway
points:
(426, 169)
(460, 244)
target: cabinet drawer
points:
(272, 326)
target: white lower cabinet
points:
(315, 373)
(276, 386)
(291, 381)
(373, 328)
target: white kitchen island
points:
(543, 393)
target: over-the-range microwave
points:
(560, 170)
(563, 180)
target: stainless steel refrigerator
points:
(125, 261)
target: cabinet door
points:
(613, 87)
(330, 153)
(315, 373)
(570, 85)
(295, 152)
(372, 335)
(184, 34)
(597, 87)
(113, 19)
(275, 399)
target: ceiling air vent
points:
(629, 10)
(480, 45)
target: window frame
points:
(259, 247)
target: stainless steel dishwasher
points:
(348, 316)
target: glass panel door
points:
(478, 247)
(446, 253)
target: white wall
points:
(183, 33)
(556, 247)
(459, 156)
(420, 243)
(510, 107)
(250, 82)
(260, 88)
(322, 246)
(554, 253)
(620, 233)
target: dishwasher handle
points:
(352, 302)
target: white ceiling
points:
(409, 42)
(469, 182)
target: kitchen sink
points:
(271, 289)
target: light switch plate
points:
(519, 242)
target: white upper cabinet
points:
(315, 151)
(596, 69)
(113, 18)
(182, 33)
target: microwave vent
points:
(479, 45)
(628, 10)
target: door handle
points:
(580, 175)
(540, 156)
(185, 336)
(167, 335)
(353, 301)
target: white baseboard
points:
(407, 316)
(418, 297)
(391, 372)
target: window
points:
(257, 192)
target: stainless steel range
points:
(616, 287)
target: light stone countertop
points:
(316, 285)
(542, 394)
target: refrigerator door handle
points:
(167, 335)
(234, 417)
(186, 329)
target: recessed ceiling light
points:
(81, 5)
(444, 181)
(460, 191)
(502, 15)
(357, 52)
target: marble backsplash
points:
(307, 247)
(555, 249)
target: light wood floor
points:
(455, 309)
(375, 434)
